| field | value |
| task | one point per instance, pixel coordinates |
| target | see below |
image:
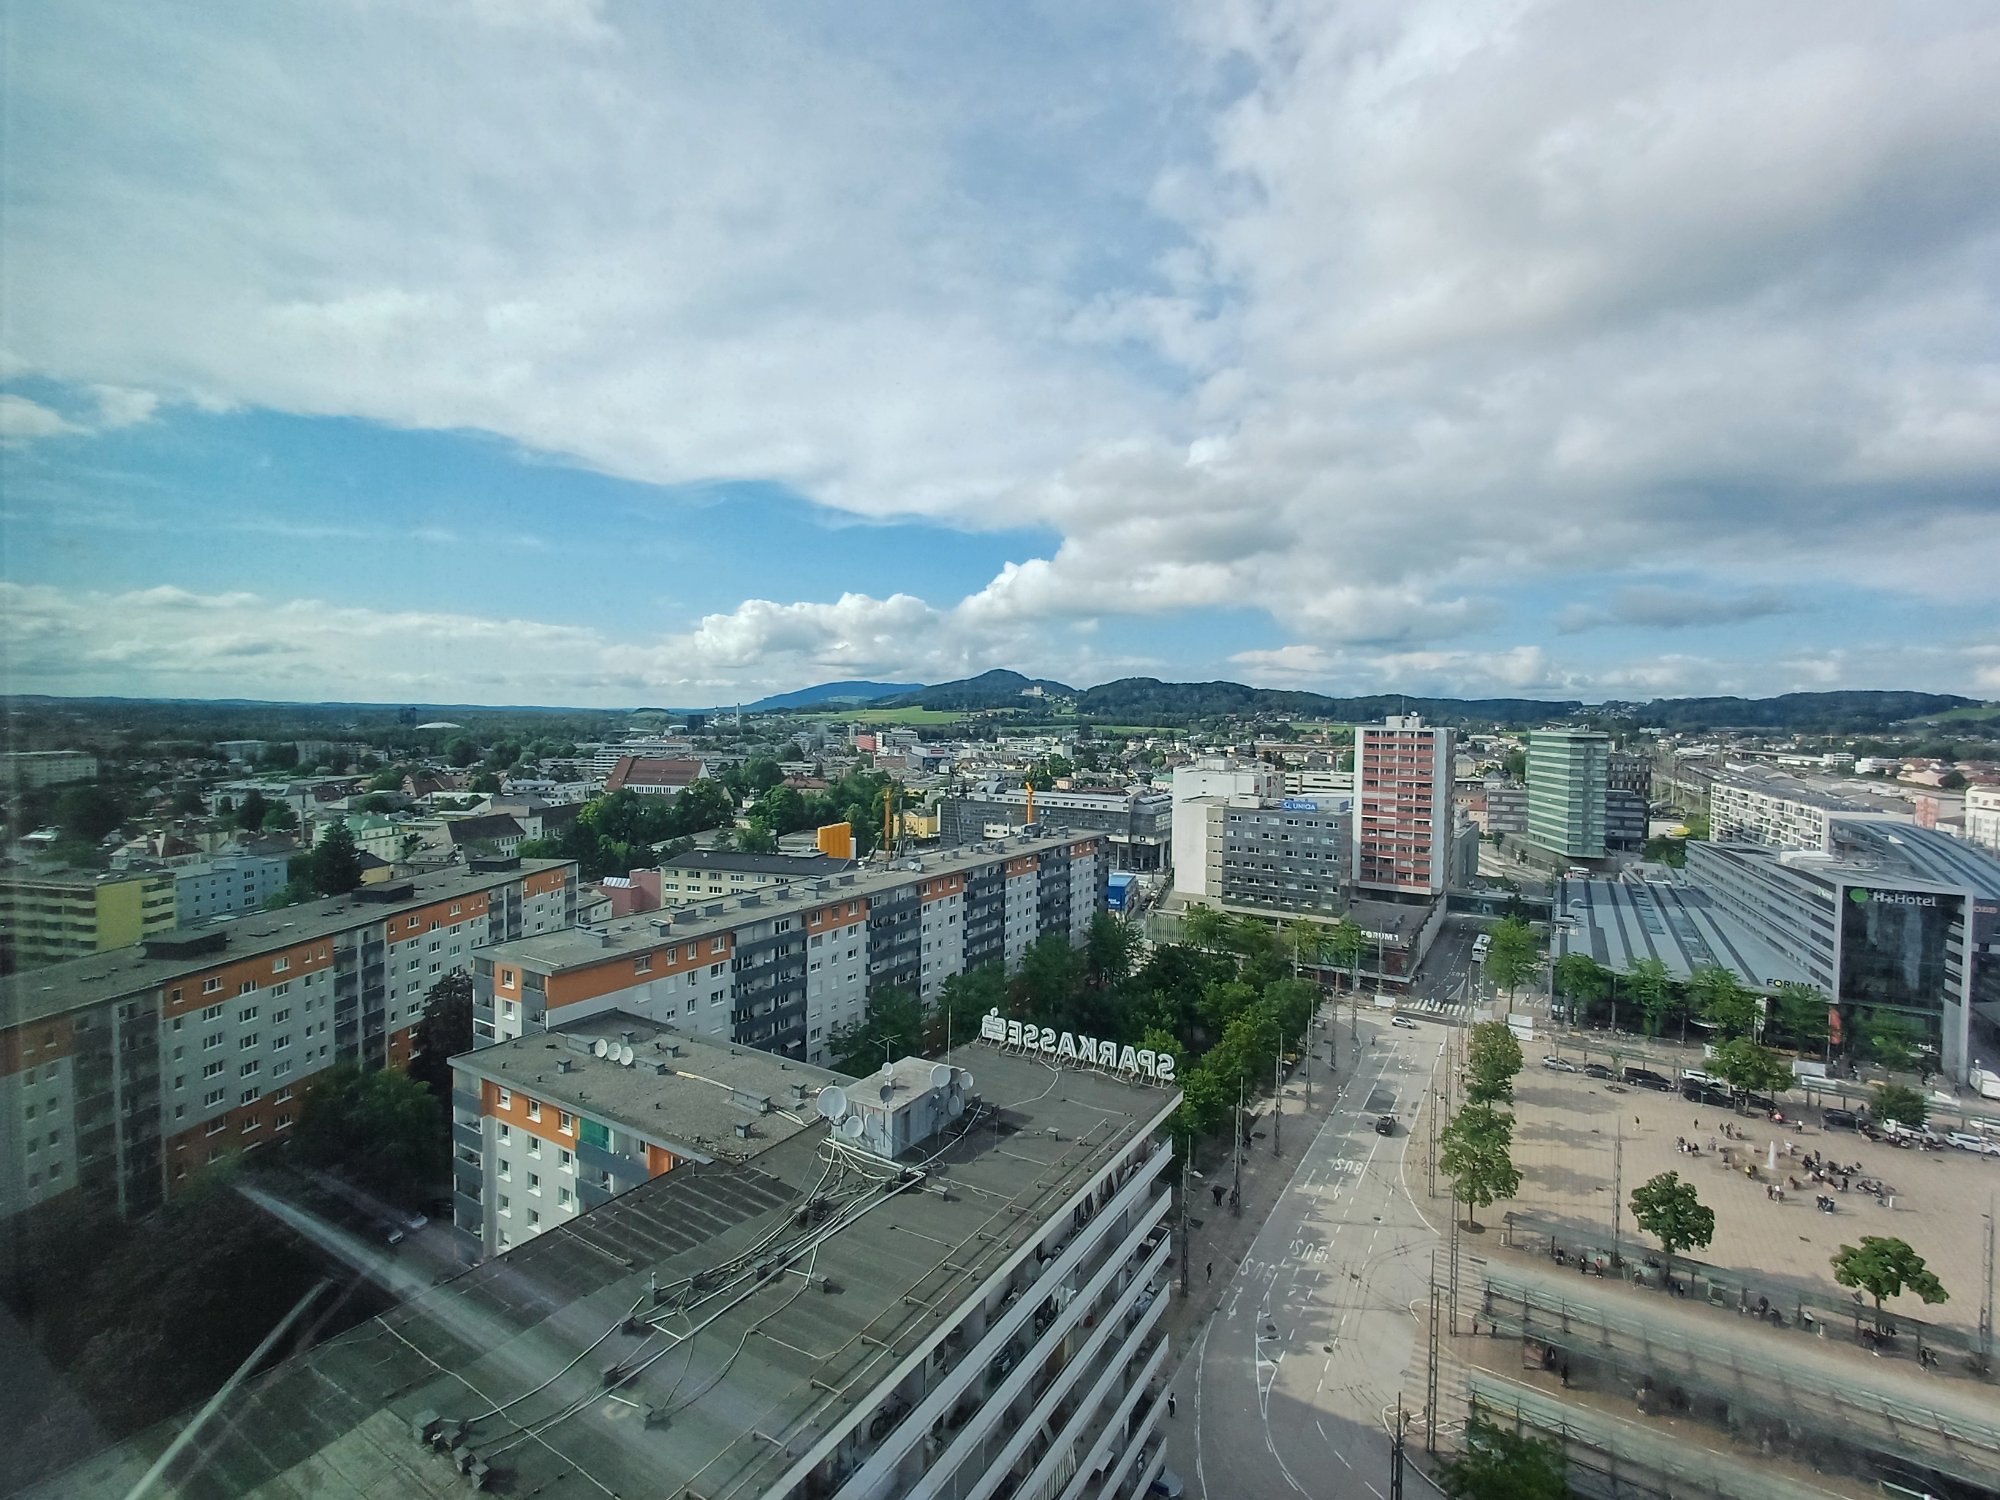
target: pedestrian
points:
(1211, 1270)
(1565, 1374)
(1170, 1403)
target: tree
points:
(381, 1131)
(1475, 1153)
(1493, 1058)
(1581, 980)
(336, 863)
(1888, 1039)
(963, 1000)
(1511, 955)
(1647, 984)
(1205, 1102)
(1514, 765)
(1344, 945)
(279, 818)
(1306, 941)
(1800, 1012)
(893, 1028)
(756, 839)
(1884, 1268)
(87, 813)
(1719, 1000)
(1205, 928)
(444, 1032)
(782, 810)
(461, 752)
(1744, 1065)
(1498, 1464)
(250, 812)
(486, 782)
(1895, 1101)
(1668, 1209)
(1109, 951)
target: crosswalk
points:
(1430, 1005)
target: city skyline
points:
(636, 357)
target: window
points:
(566, 1121)
(506, 1170)
(643, 964)
(250, 1069)
(282, 1067)
(214, 1069)
(565, 1197)
(566, 1160)
(279, 1017)
(248, 987)
(505, 1204)
(506, 1133)
(280, 1043)
(282, 989)
(534, 1182)
(174, 998)
(720, 945)
(209, 987)
(280, 964)
(504, 1098)
(534, 1218)
(177, 1020)
(248, 1040)
(213, 1097)
(284, 1122)
(534, 1109)
(247, 1013)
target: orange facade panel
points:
(440, 914)
(659, 1160)
(833, 918)
(544, 881)
(941, 888)
(38, 1042)
(1023, 864)
(628, 969)
(213, 986)
(526, 1112)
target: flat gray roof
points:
(1620, 922)
(707, 1090)
(1868, 850)
(733, 1379)
(55, 989)
(554, 952)
(804, 866)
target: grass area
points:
(1974, 713)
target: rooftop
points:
(55, 989)
(706, 1090)
(805, 866)
(786, 1289)
(1620, 922)
(1828, 793)
(1912, 853)
(554, 952)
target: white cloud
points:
(1652, 607)
(22, 420)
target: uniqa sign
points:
(1141, 1062)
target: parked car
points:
(1965, 1140)
(1646, 1078)
(1840, 1119)
(1386, 1125)
(1696, 1076)
(1597, 1070)
(1705, 1093)
(1405, 1022)
(1166, 1485)
(1761, 1102)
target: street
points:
(1292, 1382)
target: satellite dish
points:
(965, 1080)
(851, 1127)
(888, 1093)
(832, 1102)
(941, 1076)
(625, 1056)
(600, 1048)
(955, 1106)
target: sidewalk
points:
(1222, 1238)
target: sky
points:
(601, 353)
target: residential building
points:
(140, 1066)
(1755, 804)
(725, 872)
(1625, 819)
(786, 967)
(1137, 823)
(960, 1293)
(1568, 771)
(1402, 806)
(603, 759)
(542, 1132)
(1506, 808)
(485, 833)
(1211, 779)
(28, 770)
(1317, 776)
(648, 777)
(1982, 816)
(50, 915)
(1630, 771)
(229, 883)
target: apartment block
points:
(784, 967)
(1402, 806)
(547, 1127)
(1751, 804)
(1568, 772)
(951, 1281)
(228, 884)
(50, 915)
(123, 1073)
(1982, 816)
(27, 770)
(1279, 855)
(724, 872)
(1137, 824)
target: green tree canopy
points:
(1648, 985)
(1898, 1102)
(1500, 1464)
(1476, 1154)
(1888, 1039)
(87, 813)
(1581, 979)
(1345, 944)
(1110, 950)
(1742, 1064)
(1800, 1011)
(382, 1131)
(1669, 1210)
(1511, 955)
(444, 1032)
(250, 811)
(1723, 1003)
(1883, 1268)
(336, 863)
(1205, 928)
(892, 1028)
(1493, 1059)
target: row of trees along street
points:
(1797, 1016)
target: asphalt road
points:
(1286, 1389)
(1448, 972)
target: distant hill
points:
(1831, 712)
(1144, 699)
(996, 689)
(829, 693)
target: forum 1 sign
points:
(1064, 1046)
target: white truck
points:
(1909, 1135)
(1985, 1082)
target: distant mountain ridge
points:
(1148, 699)
(834, 692)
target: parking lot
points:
(1574, 1132)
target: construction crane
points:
(888, 822)
(1031, 804)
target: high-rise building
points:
(1402, 806)
(1138, 824)
(46, 916)
(1568, 775)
